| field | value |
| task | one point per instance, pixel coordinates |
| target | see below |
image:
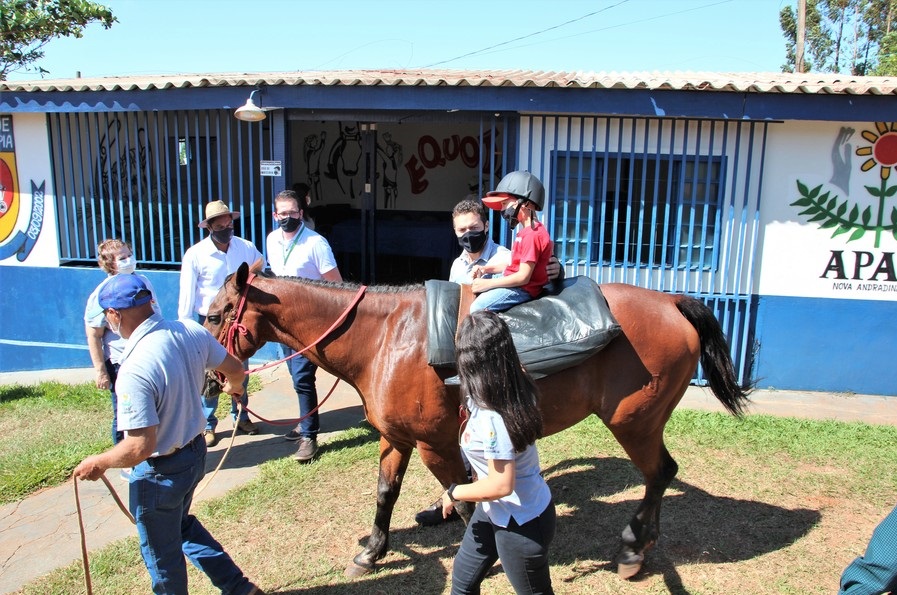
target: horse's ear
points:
(242, 275)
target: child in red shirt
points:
(518, 196)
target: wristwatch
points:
(451, 492)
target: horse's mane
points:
(394, 289)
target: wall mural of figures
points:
(420, 166)
(344, 160)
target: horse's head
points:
(233, 317)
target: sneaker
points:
(308, 448)
(210, 438)
(293, 435)
(125, 474)
(432, 516)
(244, 425)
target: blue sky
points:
(205, 36)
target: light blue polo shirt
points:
(163, 369)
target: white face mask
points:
(126, 266)
(117, 331)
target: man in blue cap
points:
(162, 370)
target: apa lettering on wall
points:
(14, 241)
(852, 219)
(432, 153)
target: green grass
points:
(753, 496)
(45, 431)
(48, 428)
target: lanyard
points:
(287, 252)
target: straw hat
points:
(217, 208)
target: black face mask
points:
(288, 224)
(473, 241)
(509, 214)
(223, 236)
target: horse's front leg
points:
(393, 464)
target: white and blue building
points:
(772, 197)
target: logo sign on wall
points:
(16, 240)
(872, 215)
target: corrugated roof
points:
(775, 82)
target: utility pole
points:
(801, 35)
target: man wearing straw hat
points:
(162, 369)
(205, 266)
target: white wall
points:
(797, 257)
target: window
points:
(640, 210)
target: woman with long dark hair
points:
(514, 520)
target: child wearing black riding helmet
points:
(518, 196)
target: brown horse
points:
(633, 385)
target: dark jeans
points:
(303, 373)
(112, 372)
(522, 549)
(161, 492)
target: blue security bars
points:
(145, 177)
(663, 203)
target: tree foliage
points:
(842, 36)
(26, 26)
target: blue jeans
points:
(500, 299)
(522, 549)
(160, 497)
(210, 405)
(303, 373)
(876, 571)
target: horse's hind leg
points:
(658, 467)
(393, 464)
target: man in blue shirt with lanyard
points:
(294, 250)
(162, 370)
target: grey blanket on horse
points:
(551, 333)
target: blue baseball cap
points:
(123, 292)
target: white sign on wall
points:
(271, 168)
(829, 210)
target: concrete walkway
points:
(41, 533)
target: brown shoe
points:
(210, 438)
(308, 448)
(246, 426)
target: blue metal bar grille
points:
(667, 204)
(145, 177)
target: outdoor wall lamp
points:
(250, 112)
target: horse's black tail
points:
(715, 358)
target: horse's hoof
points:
(628, 564)
(627, 571)
(354, 570)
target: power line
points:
(492, 47)
(651, 18)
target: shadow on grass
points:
(696, 527)
(274, 446)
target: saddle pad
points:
(551, 333)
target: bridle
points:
(234, 326)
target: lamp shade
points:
(250, 112)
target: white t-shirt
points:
(204, 269)
(307, 254)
